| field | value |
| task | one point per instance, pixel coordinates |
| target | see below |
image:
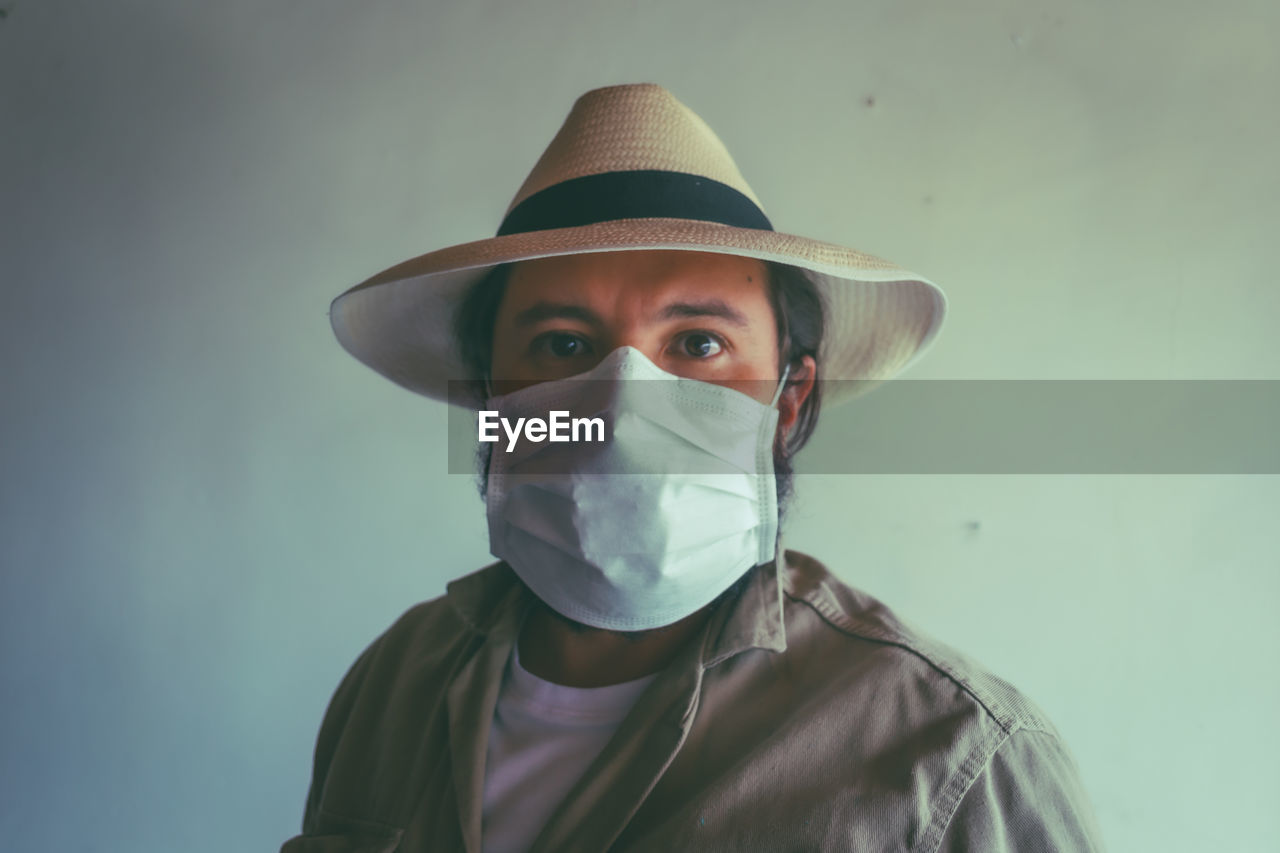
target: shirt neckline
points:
(608, 704)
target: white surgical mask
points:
(649, 526)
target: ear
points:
(799, 386)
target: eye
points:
(563, 344)
(699, 345)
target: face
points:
(697, 315)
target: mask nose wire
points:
(777, 395)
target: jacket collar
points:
(752, 620)
(486, 598)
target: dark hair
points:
(473, 324)
(799, 313)
(797, 309)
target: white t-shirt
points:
(542, 739)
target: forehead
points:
(638, 277)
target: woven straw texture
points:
(629, 128)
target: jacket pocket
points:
(335, 834)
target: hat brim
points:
(879, 317)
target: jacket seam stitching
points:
(962, 782)
(893, 639)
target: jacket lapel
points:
(602, 803)
(473, 691)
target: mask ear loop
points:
(782, 384)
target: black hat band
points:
(641, 194)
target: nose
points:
(627, 361)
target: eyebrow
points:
(541, 311)
(709, 308)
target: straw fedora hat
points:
(633, 168)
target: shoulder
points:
(408, 663)
(984, 757)
(1027, 796)
(389, 707)
(820, 603)
(429, 635)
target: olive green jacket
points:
(805, 716)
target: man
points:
(644, 670)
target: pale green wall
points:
(207, 509)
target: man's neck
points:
(563, 652)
